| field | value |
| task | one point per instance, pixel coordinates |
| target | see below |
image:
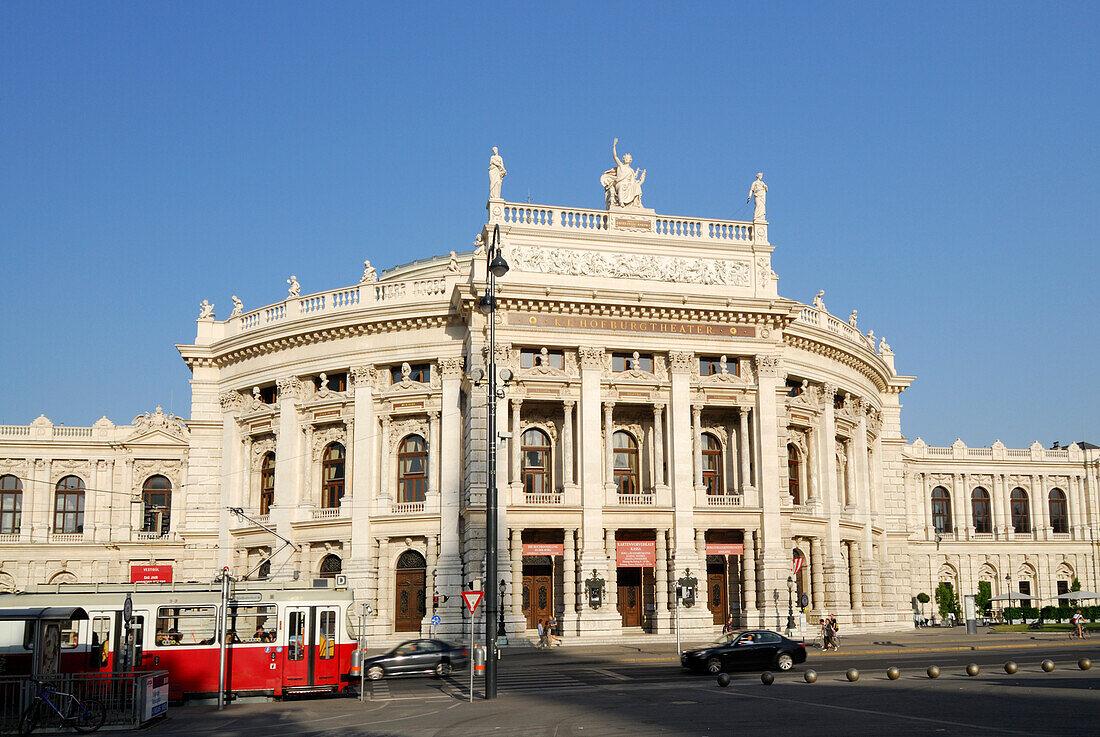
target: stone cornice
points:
(875, 374)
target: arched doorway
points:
(409, 605)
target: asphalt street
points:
(552, 694)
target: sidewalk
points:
(883, 643)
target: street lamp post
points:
(500, 602)
(790, 606)
(497, 266)
(1008, 585)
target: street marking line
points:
(610, 674)
(875, 712)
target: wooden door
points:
(716, 593)
(537, 599)
(630, 596)
(409, 605)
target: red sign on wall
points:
(725, 549)
(553, 549)
(150, 574)
(636, 553)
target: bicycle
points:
(1081, 632)
(83, 716)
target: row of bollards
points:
(893, 672)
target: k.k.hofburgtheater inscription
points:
(618, 324)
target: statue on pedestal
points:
(622, 185)
(295, 288)
(497, 172)
(206, 310)
(819, 301)
(369, 274)
(759, 192)
(852, 318)
(238, 306)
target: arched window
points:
(626, 462)
(264, 571)
(11, 504)
(1059, 512)
(536, 462)
(156, 496)
(1021, 513)
(332, 475)
(68, 510)
(267, 483)
(794, 472)
(941, 510)
(412, 467)
(979, 508)
(712, 464)
(331, 565)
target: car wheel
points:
(784, 662)
(443, 669)
(714, 665)
(375, 673)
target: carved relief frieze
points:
(451, 367)
(362, 376)
(682, 362)
(543, 421)
(290, 387)
(231, 401)
(15, 466)
(61, 468)
(158, 420)
(260, 448)
(590, 357)
(850, 409)
(170, 469)
(571, 262)
(800, 440)
(405, 426)
(768, 365)
(808, 398)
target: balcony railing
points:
(637, 500)
(408, 508)
(725, 500)
(9, 537)
(542, 498)
(66, 537)
(150, 535)
(326, 513)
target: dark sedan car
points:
(417, 656)
(753, 649)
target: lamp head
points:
(498, 265)
(486, 304)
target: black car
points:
(752, 649)
(417, 656)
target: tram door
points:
(311, 653)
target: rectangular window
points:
(333, 382)
(531, 357)
(186, 625)
(251, 623)
(101, 641)
(711, 365)
(296, 629)
(69, 638)
(417, 372)
(632, 361)
(268, 394)
(326, 625)
(11, 512)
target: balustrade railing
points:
(570, 218)
(66, 537)
(9, 537)
(542, 498)
(147, 535)
(637, 500)
(408, 507)
(326, 513)
(16, 430)
(725, 500)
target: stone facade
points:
(668, 416)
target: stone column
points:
(609, 446)
(613, 571)
(231, 472)
(517, 441)
(569, 580)
(836, 574)
(567, 442)
(1039, 508)
(435, 462)
(659, 445)
(449, 571)
(386, 491)
(516, 548)
(661, 576)
(1006, 499)
(810, 463)
(304, 493)
(743, 449)
(863, 479)
(288, 480)
(749, 573)
(593, 494)
(817, 575)
(431, 544)
(856, 564)
(385, 600)
(926, 495)
(996, 491)
(697, 446)
(776, 559)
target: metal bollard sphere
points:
(893, 673)
(767, 678)
(723, 679)
(933, 671)
(973, 669)
(1084, 663)
(852, 675)
(1011, 667)
(811, 676)
(1047, 665)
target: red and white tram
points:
(281, 638)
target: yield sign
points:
(472, 599)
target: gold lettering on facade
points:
(632, 326)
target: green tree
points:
(984, 596)
(923, 599)
(1075, 585)
(946, 600)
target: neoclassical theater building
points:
(665, 414)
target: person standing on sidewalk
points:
(551, 625)
(543, 642)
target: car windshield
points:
(726, 638)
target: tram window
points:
(253, 623)
(69, 637)
(101, 639)
(185, 625)
(296, 629)
(327, 644)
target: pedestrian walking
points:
(552, 625)
(543, 641)
(728, 627)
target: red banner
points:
(552, 549)
(797, 564)
(636, 553)
(150, 574)
(725, 548)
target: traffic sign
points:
(804, 602)
(436, 620)
(472, 599)
(128, 609)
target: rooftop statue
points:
(622, 185)
(819, 301)
(206, 310)
(369, 274)
(497, 172)
(295, 288)
(852, 318)
(238, 306)
(759, 192)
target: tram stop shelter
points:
(42, 634)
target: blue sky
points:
(933, 165)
